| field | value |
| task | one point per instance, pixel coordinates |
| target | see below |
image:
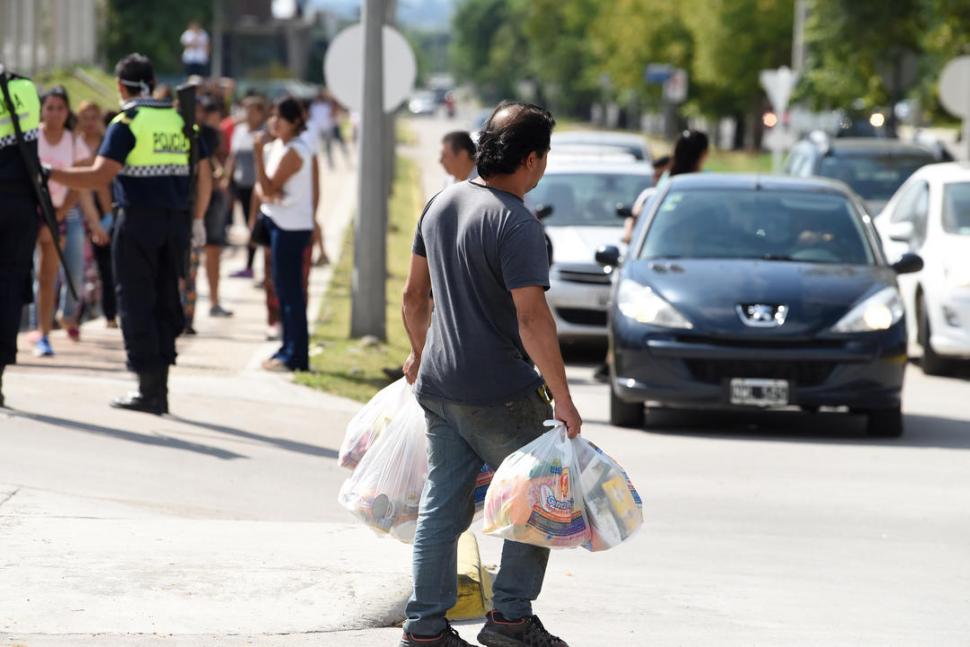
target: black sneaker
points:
(448, 638)
(524, 632)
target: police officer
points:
(18, 213)
(146, 152)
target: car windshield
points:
(874, 177)
(956, 208)
(586, 199)
(758, 224)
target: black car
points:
(873, 168)
(757, 292)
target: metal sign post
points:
(778, 85)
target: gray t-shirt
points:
(480, 243)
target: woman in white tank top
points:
(284, 186)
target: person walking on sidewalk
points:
(147, 151)
(482, 253)
(284, 185)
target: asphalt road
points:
(780, 528)
(211, 527)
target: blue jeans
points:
(73, 264)
(461, 438)
(286, 248)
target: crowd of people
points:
(259, 158)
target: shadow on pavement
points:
(282, 443)
(788, 426)
(130, 436)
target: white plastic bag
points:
(385, 489)
(613, 506)
(534, 498)
(365, 428)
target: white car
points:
(930, 215)
(627, 143)
(584, 196)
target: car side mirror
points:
(608, 256)
(901, 232)
(623, 210)
(908, 263)
(543, 211)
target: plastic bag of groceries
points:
(385, 489)
(482, 482)
(371, 421)
(534, 498)
(613, 506)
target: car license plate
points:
(759, 393)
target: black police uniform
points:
(19, 218)
(150, 237)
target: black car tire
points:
(932, 364)
(885, 423)
(626, 414)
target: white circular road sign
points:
(343, 68)
(955, 87)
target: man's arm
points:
(537, 329)
(203, 189)
(102, 172)
(416, 312)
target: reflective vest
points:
(23, 93)
(161, 147)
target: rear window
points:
(766, 224)
(586, 199)
(876, 177)
(956, 208)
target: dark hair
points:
(60, 92)
(661, 161)
(290, 109)
(460, 140)
(504, 145)
(109, 116)
(690, 147)
(136, 73)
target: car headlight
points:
(642, 304)
(881, 311)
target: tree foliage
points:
(151, 28)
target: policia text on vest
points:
(147, 155)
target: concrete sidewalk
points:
(216, 525)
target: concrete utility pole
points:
(798, 37)
(368, 300)
(390, 129)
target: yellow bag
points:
(474, 582)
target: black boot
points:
(1, 385)
(148, 399)
(164, 388)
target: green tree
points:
(489, 48)
(733, 41)
(151, 29)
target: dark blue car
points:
(757, 292)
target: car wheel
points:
(932, 364)
(626, 414)
(885, 423)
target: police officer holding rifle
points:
(23, 197)
(148, 151)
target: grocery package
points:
(385, 489)
(533, 497)
(613, 506)
(482, 482)
(365, 427)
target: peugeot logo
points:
(761, 315)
